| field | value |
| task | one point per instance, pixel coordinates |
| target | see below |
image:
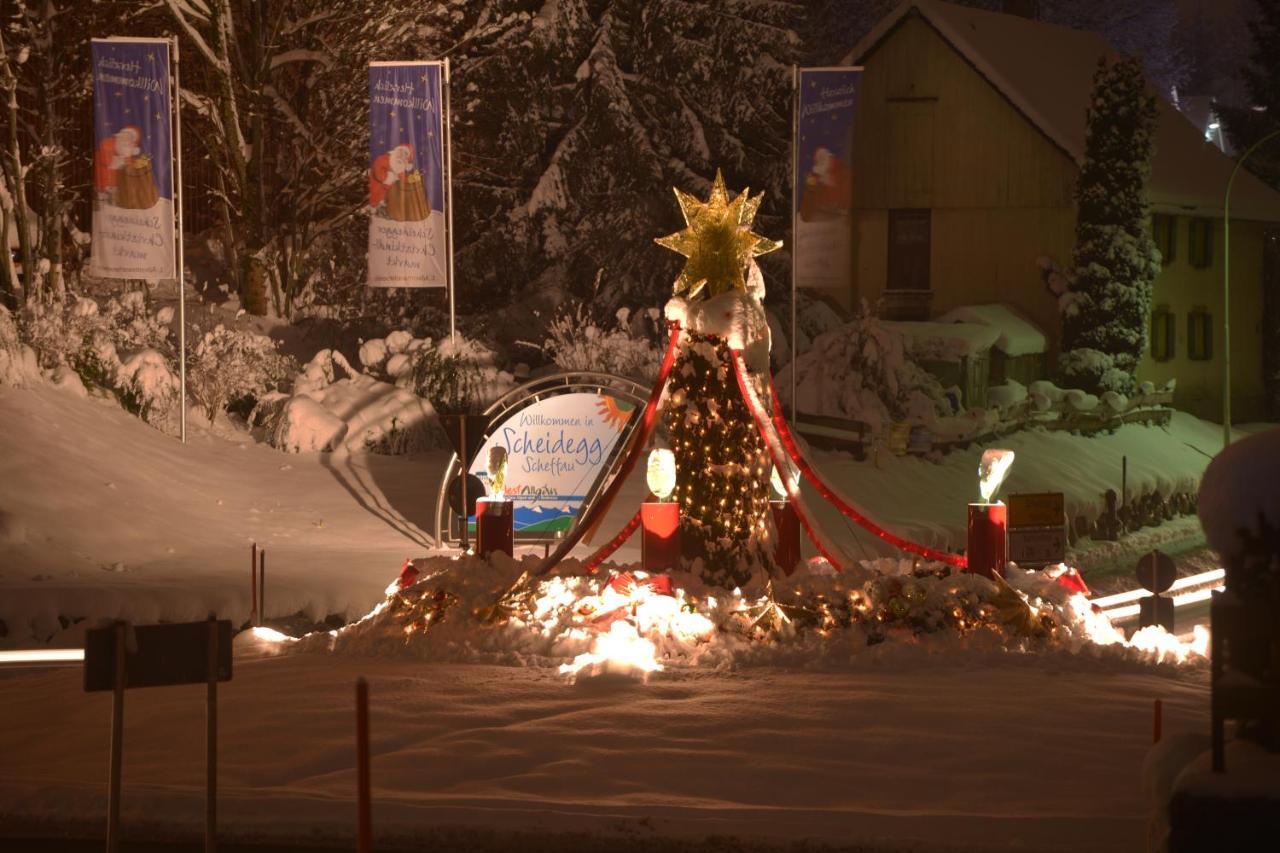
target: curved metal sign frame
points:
(527, 395)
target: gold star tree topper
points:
(717, 240)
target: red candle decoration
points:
(787, 551)
(495, 527)
(988, 527)
(660, 537)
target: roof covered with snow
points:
(1017, 334)
(1046, 72)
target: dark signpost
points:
(123, 656)
(1156, 572)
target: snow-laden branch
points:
(300, 54)
(180, 9)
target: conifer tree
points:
(1105, 313)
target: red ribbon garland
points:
(779, 460)
(639, 439)
(784, 433)
(606, 550)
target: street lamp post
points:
(1226, 289)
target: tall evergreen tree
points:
(1104, 314)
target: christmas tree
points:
(722, 465)
(1104, 314)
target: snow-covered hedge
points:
(575, 342)
(229, 365)
(17, 360)
(861, 371)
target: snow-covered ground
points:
(103, 516)
(959, 753)
(903, 747)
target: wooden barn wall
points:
(933, 133)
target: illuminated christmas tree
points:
(722, 464)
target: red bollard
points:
(786, 552)
(495, 527)
(659, 536)
(988, 528)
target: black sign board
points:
(156, 655)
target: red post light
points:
(988, 530)
(786, 553)
(660, 536)
(495, 527)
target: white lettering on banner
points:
(407, 254)
(133, 243)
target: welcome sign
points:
(133, 225)
(406, 176)
(556, 450)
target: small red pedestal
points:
(659, 536)
(787, 552)
(988, 528)
(495, 527)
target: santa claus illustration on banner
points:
(826, 187)
(122, 173)
(395, 186)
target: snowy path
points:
(972, 752)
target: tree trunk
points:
(17, 181)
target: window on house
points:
(1200, 242)
(1162, 333)
(1164, 230)
(1200, 335)
(909, 249)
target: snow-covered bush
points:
(456, 378)
(17, 360)
(147, 384)
(231, 365)
(575, 342)
(861, 371)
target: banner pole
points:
(448, 189)
(795, 246)
(182, 294)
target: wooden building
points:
(967, 144)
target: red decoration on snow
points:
(1071, 581)
(624, 583)
(408, 574)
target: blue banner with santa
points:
(133, 226)
(827, 107)
(406, 175)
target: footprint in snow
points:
(114, 567)
(42, 577)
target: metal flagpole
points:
(181, 197)
(795, 169)
(448, 159)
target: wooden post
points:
(253, 584)
(1157, 721)
(211, 740)
(262, 586)
(117, 742)
(364, 831)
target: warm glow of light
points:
(1110, 601)
(992, 471)
(30, 656)
(661, 473)
(622, 651)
